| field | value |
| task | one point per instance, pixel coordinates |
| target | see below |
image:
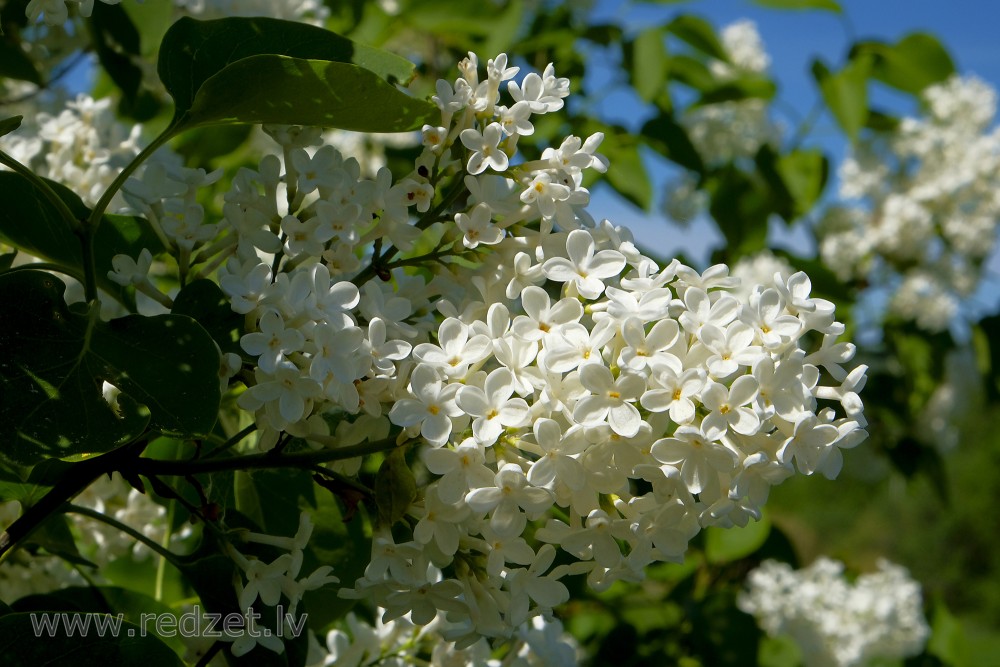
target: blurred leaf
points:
(723, 545)
(846, 93)
(395, 488)
(55, 361)
(8, 125)
(722, 635)
(648, 63)
(628, 174)
(947, 639)
(116, 42)
(741, 206)
(990, 327)
(826, 5)
(700, 34)
(691, 72)
(83, 649)
(913, 63)
(55, 537)
(669, 138)
(804, 174)
(16, 64)
(307, 92)
(778, 651)
(881, 121)
(747, 86)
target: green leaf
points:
(947, 638)
(56, 360)
(741, 205)
(724, 545)
(692, 72)
(671, 140)
(55, 537)
(846, 93)
(8, 125)
(628, 175)
(16, 64)
(700, 34)
(116, 42)
(204, 302)
(648, 64)
(395, 487)
(748, 86)
(30, 222)
(90, 649)
(114, 600)
(342, 544)
(825, 5)
(804, 174)
(307, 92)
(913, 63)
(194, 51)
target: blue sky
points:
(968, 28)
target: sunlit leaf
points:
(308, 92)
(846, 93)
(911, 64)
(194, 52)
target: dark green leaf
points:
(913, 63)
(307, 92)
(194, 51)
(7, 260)
(343, 545)
(203, 301)
(670, 139)
(846, 93)
(722, 635)
(700, 34)
(56, 360)
(30, 222)
(741, 206)
(90, 649)
(395, 488)
(109, 600)
(8, 125)
(16, 64)
(748, 86)
(55, 537)
(826, 5)
(116, 42)
(692, 72)
(628, 175)
(804, 174)
(881, 121)
(648, 63)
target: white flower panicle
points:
(573, 395)
(928, 209)
(834, 622)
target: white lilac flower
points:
(836, 623)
